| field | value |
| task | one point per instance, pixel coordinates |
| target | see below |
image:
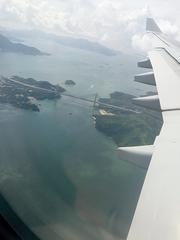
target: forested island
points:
(24, 92)
(127, 128)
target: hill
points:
(68, 41)
(8, 46)
(125, 128)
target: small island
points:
(25, 92)
(70, 83)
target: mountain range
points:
(68, 41)
(8, 46)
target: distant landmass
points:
(78, 43)
(87, 45)
(8, 46)
(126, 128)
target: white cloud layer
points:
(116, 23)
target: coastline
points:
(26, 92)
(127, 129)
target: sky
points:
(119, 24)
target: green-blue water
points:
(64, 178)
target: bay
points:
(60, 175)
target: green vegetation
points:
(24, 93)
(70, 82)
(128, 129)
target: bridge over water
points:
(95, 101)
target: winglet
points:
(151, 26)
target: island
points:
(25, 92)
(8, 46)
(70, 83)
(127, 128)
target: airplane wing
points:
(157, 216)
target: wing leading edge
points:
(158, 211)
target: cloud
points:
(118, 24)
(141, 42)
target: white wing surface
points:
(157, 216)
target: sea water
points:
(61, 176)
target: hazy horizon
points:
(116, 24)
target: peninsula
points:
(127, 128)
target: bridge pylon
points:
(95, 100)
